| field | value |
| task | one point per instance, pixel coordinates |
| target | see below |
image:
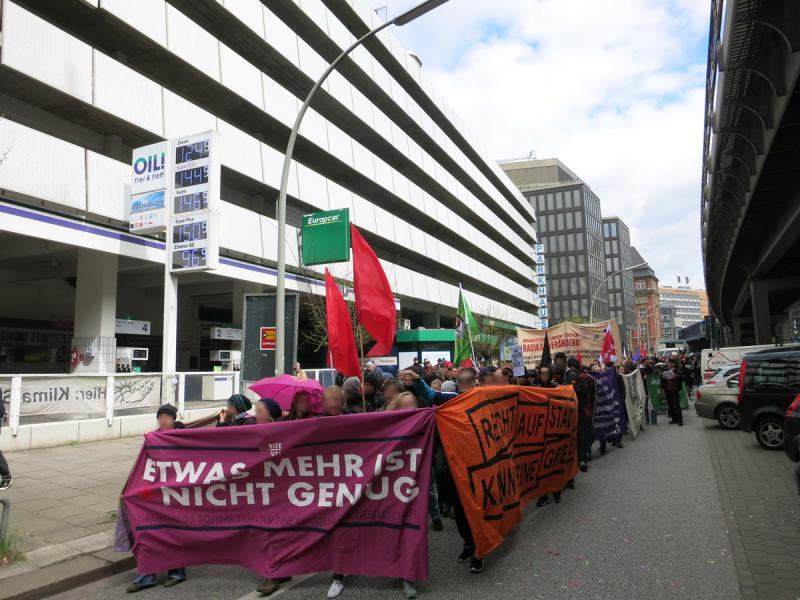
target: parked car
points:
(791, 440)
(769, 381)
(791, 425)
(720, 401)
(721, 374)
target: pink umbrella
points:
(282, 389)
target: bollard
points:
(5, 517)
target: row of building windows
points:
(610, 229)
(559, 222)
(573, 264)
(565, 242)
(568, 286)
(556, 201)
(592, 204)
(564, 309)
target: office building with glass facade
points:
(617, 248)
(568, 225)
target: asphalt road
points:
(645, 522)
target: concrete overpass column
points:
(759, 299)
(432, 319)
(240, 288)
(95, 312)
(736, 324)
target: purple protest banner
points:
(347, 494)
(610, 420)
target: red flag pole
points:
(361, 342)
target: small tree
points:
(316, 334)
(486, 341)
(575, 319)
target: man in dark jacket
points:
(586, 391)
(5, 472)
(671, 382)
(465, 381)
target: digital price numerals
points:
(190, 232)
(190, 203)
(190, 177)
(189, 259)
(189, 152)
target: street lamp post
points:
(280, 304)
(599, 287)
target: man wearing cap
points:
(167, 416)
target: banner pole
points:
(469, 331)
(361, 343)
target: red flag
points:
(374, 299)
(644, 352)
(608, 353)
(578, 356)
(341, 343)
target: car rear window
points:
(772, 373)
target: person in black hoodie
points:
(167, 416)
(671, 382)
(586, 391)
(5, 472)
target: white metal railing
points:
(88, 398)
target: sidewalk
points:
(63, 510)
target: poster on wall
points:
(82, 395)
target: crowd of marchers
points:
(426, 384)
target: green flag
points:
(465, 329)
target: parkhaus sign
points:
(326, 237)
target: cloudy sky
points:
(613, 88)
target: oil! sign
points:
(326, 237)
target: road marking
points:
(284, 588)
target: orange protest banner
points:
(506, 446)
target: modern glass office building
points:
(617, 248)
(569, 227)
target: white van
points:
(713, 359)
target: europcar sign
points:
(326, 237)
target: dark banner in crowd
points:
(345, 494)
(506, 446)
(609, 421)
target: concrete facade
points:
(750, 214)
(83, 83)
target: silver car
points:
(720, 402)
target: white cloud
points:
(613, 89)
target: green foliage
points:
(10, 549)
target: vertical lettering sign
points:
(149, 185)
(541, 286)
(194, 236)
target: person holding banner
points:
(333, 402)
(546, 377)
(301, 407)
(267, 411)
(586, 391)
(236, 412)
(166, 416)
(465, 381)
